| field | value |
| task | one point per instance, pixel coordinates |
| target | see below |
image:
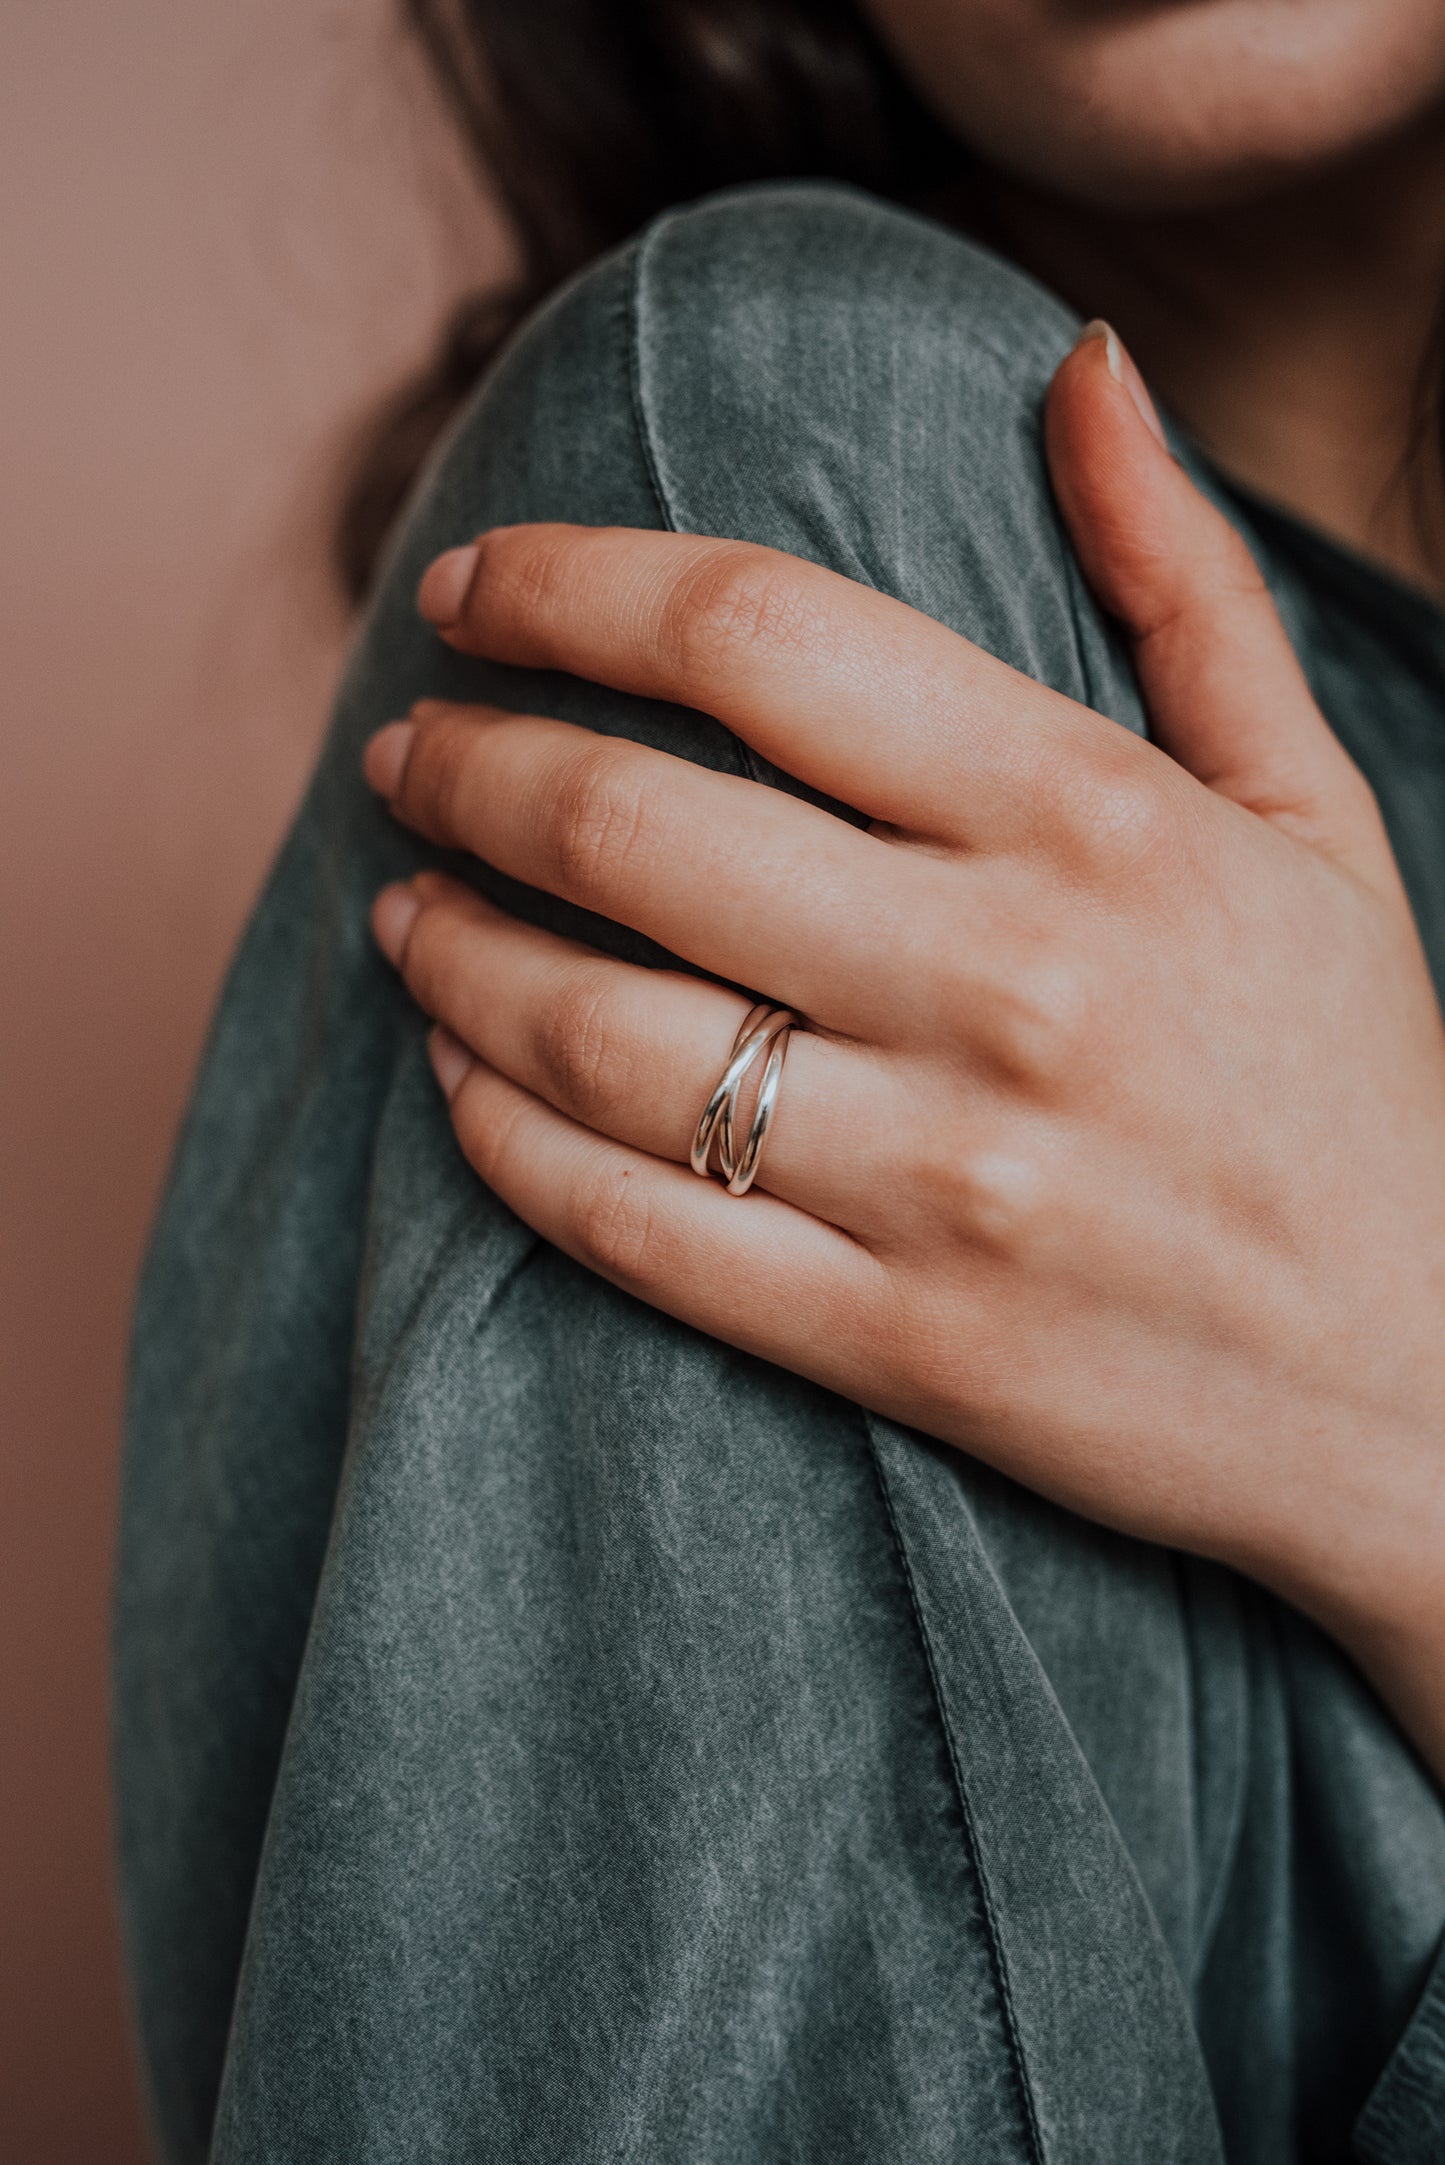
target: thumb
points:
(1226, 695)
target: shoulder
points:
(810, 272)
(802, 365)
(834, 376)
(772, 329)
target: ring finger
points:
(631, 1053)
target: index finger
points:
(848, 690)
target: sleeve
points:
(243, 1383)
(544, 1733)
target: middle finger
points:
(812, 912)
(846, 688)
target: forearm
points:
(1409, 1675)
(1366, 1560)
(1400, 1647)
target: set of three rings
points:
(762, 1035)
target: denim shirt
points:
(547, 1734)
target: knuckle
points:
(1042, 1019)
(429, 965)
(435, 785)
(598, 821)
(736, 601)
(576, 1051)
(522, 571)
(1218, 572)
(1233, 572)
(487, 1132)
(614, 1228)
(994, 1195)
(1128, 818)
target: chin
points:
(1200, 162)
(1180, 105)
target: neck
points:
(1297, 338)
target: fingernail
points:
(1122, 369)
(384, 760)
(442, 595)
(450, 1061)
(393, 914)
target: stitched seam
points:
(998, 1960)
(747, 759)
(632, 310)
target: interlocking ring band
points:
(762, 1034)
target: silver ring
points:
(763, 1032)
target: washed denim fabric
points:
(546, 1734)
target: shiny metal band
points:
(762, 1035)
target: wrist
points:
(1404, 1660)
(1367, 1563)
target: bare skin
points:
(1114, 1151)
(1295, 338)
(1253, 192)
(1052, 1176)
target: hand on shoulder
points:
(1113, 1149)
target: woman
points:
(562, 1714)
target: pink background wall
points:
(221, 228)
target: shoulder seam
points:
(632, 305)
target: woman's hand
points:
(1114, 1150)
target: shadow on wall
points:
(224, 229)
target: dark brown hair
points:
(588, 118)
